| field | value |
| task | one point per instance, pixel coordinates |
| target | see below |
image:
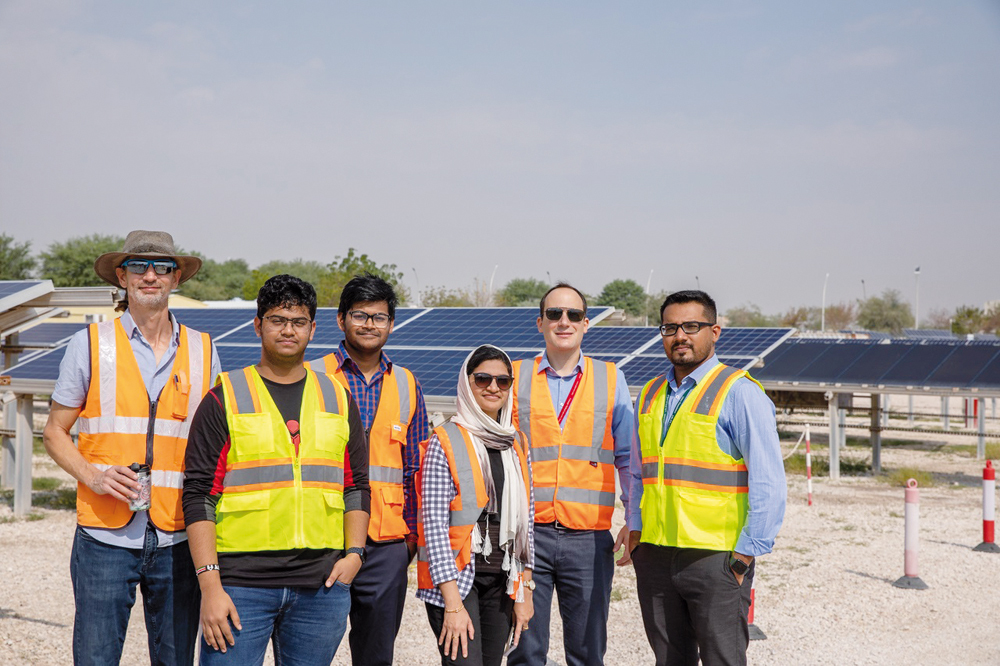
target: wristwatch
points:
(739, 567)
(359, 551)
(530, 584)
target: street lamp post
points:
(697, 283)
(916, 309)
(419, 299)
(648, 281)
(822, 316)
(491, 282)
(864, 293)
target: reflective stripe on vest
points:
(694, 494)
(114, 423)
(275, 498)
(386, 440)
(581, 449)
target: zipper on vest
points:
(150, 433)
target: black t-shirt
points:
(205, 468)
(492, 563)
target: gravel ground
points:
(825, 595)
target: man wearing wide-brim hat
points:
(132, 385)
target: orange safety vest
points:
(470, 496)
(386, 439)
(573, 466)
(121, 425)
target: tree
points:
(218, 281)
(312, 272)
(521, 292)
(969, 319)
(801, 317)
(627, 295)
(71, 263)
(888, 312)
(439, 297)
(16, 262)
(748, 315)
(342, 269)
(940, 319)
(839, 316)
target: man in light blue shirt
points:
(113, 550)
(687, 594)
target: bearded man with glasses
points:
(392, 409)
(709, 474)
(577, 414)
(132, 385)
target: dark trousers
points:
(690, 601)
(492, 613)
(378, 593)
(579, 565)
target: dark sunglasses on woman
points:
(484, 379)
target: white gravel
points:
(825, 595)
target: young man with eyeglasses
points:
(708, 470)
(132, 385)
(577, 414)
(276, 496)
(392, 409)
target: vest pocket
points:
(253, 435)
(331, 434)
(703, 520)
(391, 524)
(243, 521)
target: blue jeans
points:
(579, 565)
(305, 625)
(104, 581)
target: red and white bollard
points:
(911, 579)
(989, 506)
(755, 633)
(809, 468)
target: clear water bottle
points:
(142, 502)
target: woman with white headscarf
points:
(477, 515)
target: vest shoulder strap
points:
(709, 401)
(649, 392)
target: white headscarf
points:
(498, 434)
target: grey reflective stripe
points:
(649, 470)
(600, 370)
(422, 553)
(249, 476)
(323, 474)
(711, 477)
(385, 474)
(525, 373)
(403, 389)
(654, 388)
(196, 369)
(107, 360)
(545, 494)
(241, 392)
(546, 453)
(712, 391)
(584, 496)
(332, 405)
(469, 512)
(584, 453)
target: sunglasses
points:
(140, 266)
(484, 379)
(573, 314)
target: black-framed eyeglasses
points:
(689, 327)
(360, 318)
(484, 379)
(140, 266)
(575, 315)
(280, 322)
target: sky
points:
(749, 148)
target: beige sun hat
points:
(148, 244)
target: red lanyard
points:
(569, 398)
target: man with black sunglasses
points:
(709, 473)
(577, 414)
(392, 409)
(132, 385)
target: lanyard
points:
(665, 426)
(569, 398)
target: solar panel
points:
(44, 365)
(964, 363)
(16, 292)
(215, 322)
(508, 328)
(749, 341)
(990, 375)
(48, 333)
(916, 364)
(927, 334)
(874, 362)
(834, 360)
(620, 339)
(795, 356)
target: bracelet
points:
(207, 567)
(455, 610)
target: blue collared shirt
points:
(623, 423)
(746, 429)
(71, 391)
(366, 396)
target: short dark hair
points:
(561, 285)
(367, 288)
(284, 291)
(487, 353)
(692, 296)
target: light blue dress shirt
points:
(71, 391)
(623, 422)
(746, 429)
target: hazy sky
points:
(757, 145)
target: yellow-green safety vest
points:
(694, 495)
(274, 498)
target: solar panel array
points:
(48, 333)
(17, 292)
(433, 342)
(936, 363)
(927, 334)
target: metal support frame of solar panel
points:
(48, 334)
(18, 292)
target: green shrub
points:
(899, 477)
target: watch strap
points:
(359, 551)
